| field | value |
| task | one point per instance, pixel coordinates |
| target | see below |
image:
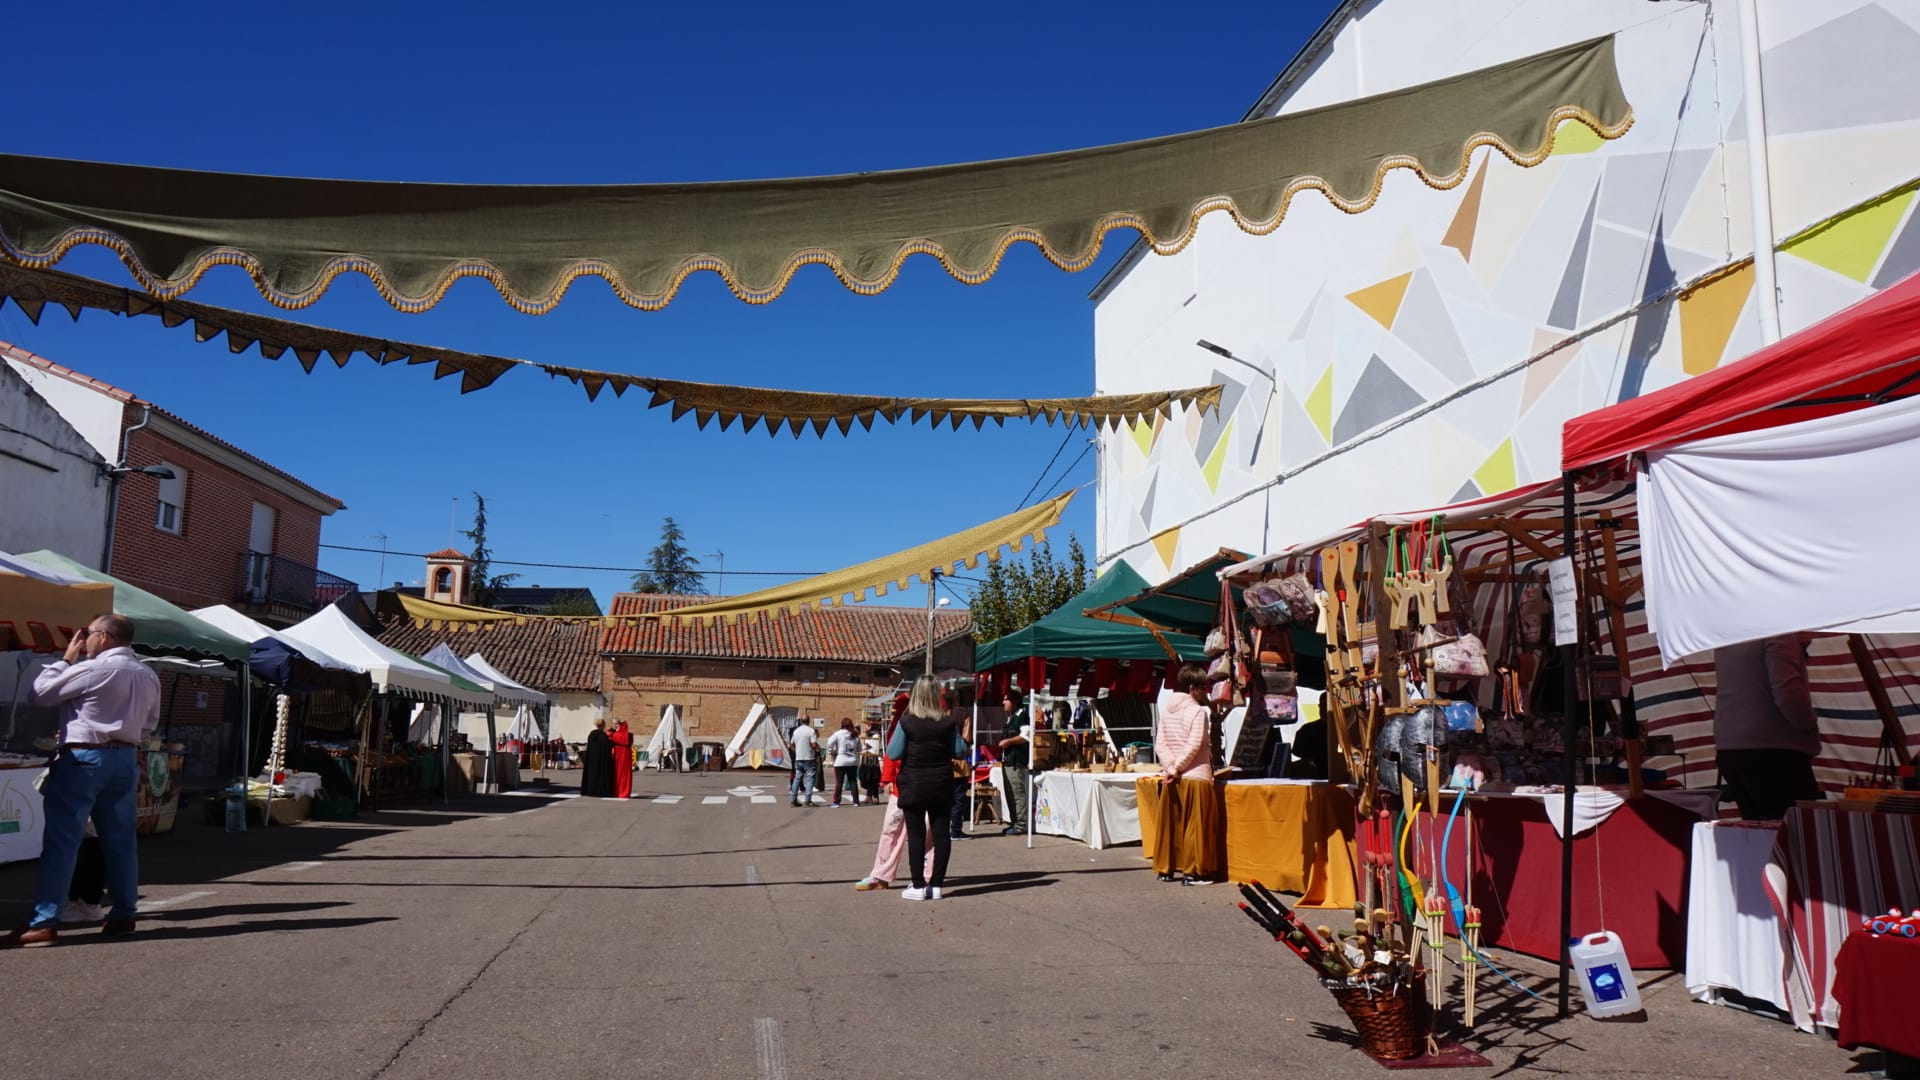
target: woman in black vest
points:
(926, 743)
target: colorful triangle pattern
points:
(1382, 301)
(1319, 405)
(1852, 245)
(1211, 470)
(1166, 544)
(1497, 472)
(1707, 319)
(1460, 233)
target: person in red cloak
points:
(622, 740)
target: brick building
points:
(225, 528)
(556, 658)
(823, 663)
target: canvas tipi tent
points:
(669, 738)
(758, 742)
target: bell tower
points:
(449, 576)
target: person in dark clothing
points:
(1765, 729)
(596, 769)
(1309, 751)
(926, 742)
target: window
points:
(783, 669)
(170, 516)
(442, 581)
(676, 665)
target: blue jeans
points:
(99, 784)
(806, 775)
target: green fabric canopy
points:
(414, 240)
(1069, 633)
(1188, 602)
(159, 628)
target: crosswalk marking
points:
(765, 799)
(155, 905)
(713, 800)
(667, 800)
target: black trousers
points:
(1765, 784)
(924, 818)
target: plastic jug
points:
(1606, 979)
(236, 814)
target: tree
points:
(483, 587)
(670, 567)
(1016, 595)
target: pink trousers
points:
(893, 843)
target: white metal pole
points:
(1766, 286)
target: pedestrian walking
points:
(108, 702)
(844, 745)
(596, 762)
(928, 745)
(806, 763)
(893, 833)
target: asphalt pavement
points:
(696, 932)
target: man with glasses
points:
(108, 702)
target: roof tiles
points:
(876, 634)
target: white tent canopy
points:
(523, 728)
(1788, 528)
(758, 742)
(508, 689)
(247, 629)
(442, 657)
(424, 726)
(669, 737)
(332, 633)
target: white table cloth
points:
(1097, 809)
(21, 817)
(1735, 939)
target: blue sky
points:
(592, 93)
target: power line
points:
(575, 566)
(1069, 470)
(1048, 469)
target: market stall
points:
(1067, 652)
(379, 771)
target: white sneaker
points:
(933, 893)
(911, 893)
(77, 911)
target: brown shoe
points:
(30, 938)
(117, 927)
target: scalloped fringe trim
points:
(171, 288)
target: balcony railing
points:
(275, 581)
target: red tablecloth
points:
(1629, 877)
(1832, 868)
(1874, 979)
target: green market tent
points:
(160, 629)
(1069, 634)
(1189, 602)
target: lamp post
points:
(1273, 388)
(113, 473)
(721, 574)
(933, 604)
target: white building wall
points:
(574, 712)
(96, 416)
(1430, 347)
(52, 494)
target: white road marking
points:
(770, 1049)
(295, 867)
(753, 874)
(713, 800)
(765, 799)
(156, 905)
(543, 793)
(667, 800)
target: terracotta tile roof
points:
(15, 352)
(446, 553)
(545, 655)
(856, 633)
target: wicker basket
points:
(1391, 1026)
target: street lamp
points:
(113, 473)
(933, 604)
(721, 574)
(1273, 387)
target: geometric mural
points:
(1548, 291)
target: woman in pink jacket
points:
(1188, 847)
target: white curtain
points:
(1807, 526)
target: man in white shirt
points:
(108, 702)
(806, 763)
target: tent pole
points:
(489, 782)
(1569, 688)
(446, 752)
(242, 672)
(1895, 733)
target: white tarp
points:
(508, 689)
(247, 629)
(442, 657)
(424, 726)
(331, 632)
(758, 742)
(1797, 527)
(523, 728)
(669, 738)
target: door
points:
(259, 548)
